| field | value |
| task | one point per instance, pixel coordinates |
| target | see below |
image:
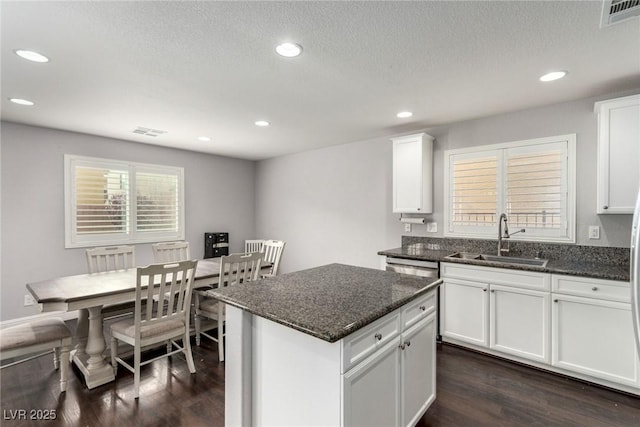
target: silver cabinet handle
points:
(378, 337)
(422, 308)
(595, 288)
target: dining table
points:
(88, 293)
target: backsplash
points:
(556, 251)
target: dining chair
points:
(234, 269)
(272, 250)
(111, 258)
(170, 251)
(157, 323)
(36, 337)
(253, 246)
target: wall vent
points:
(148, 131)
(614, 11)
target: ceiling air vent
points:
(148, 131)
(614, 11)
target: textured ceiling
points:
(209, 68)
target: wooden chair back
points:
(253, 246)
(239, 268)
(169, 284)
(170, 252)
(111, 258)
(272, 250)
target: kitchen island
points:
(332, 345)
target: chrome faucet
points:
(503, 217)
(504, 233)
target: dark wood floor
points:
(473, 390)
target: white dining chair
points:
(234, 269)
(253, 246)
(170, 251)
(272, 250)
(157, 323)
(111, 258)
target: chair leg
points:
(64, 368)
(56, 358)
(136, 370)
(186, 344)
(198, 326)
(169, 347)
(114, 354)
(220, 333)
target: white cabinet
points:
(366, 403)
(396, 384)
(504, 310)
(618, 154)
(413, 174)
(519, 322)
(418, 366)
(592, 330)
(464, 311)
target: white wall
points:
(219, 195)
(334, 204)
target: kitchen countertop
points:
(571, 267)
(327, 302)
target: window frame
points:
(131, 236)
(569, 235)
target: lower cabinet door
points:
(594, 337)
(464, 311)
(418, 370)
(371, 389)
(519, 322)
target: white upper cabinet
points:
(413, 174)
(618, 154)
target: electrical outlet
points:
(594, 232)
(407, 228)
(28, 300)
(432, 227)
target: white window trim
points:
(571, 189)
(72, 240)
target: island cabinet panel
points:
(372, 389)
(418, 381)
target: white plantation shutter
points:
(474, 191)
(101, 198)
(112, 202)
(536, 188)
(533, 182)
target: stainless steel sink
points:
(532, 262)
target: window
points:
(114, 202)
(532, 181)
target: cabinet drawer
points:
(418, 310)
(498, 276)
(364, 342)
(611, 290)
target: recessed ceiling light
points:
(404, 114)
(555, 75)
(262, 123)
(204, 138)
(31, 55)
(21, 101)
(289, 50)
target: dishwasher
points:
(414, 267)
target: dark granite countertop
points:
(570, 265)
(327, 302)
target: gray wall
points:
(219, 193)
(334, 204)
